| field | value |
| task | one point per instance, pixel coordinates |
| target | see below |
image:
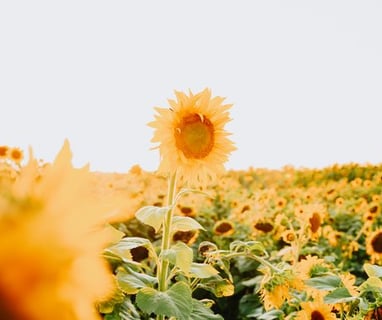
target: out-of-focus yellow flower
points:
(224, 228)
(263, 225)
(312, 217)
(374, 246)
(311, 266)
(276, 288)
(4, 152)
(315, 310)
(191, 136)
(16, 155)
(51, 240)
(188, 237)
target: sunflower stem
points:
(162, 273)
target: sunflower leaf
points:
(339, 295)
(123, 247)
(185, 224)
(201, 312)
(131, 282)
(203, 270)
(218, 286)
(180, 255)
(371, 284)
(175, 302)
(152, 216)
(373, 270)
(325, 282)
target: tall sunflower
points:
(51, 242)
(191, 136)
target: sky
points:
(304, 77)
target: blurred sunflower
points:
(224, 228)
(16, 155)
(315, 310)
(374, 246)
(4, 152)
(311, 266)
(276, 288)
(51, 240)
(191, 136)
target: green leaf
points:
(124, 311)
(247, 246)
(180, 255)
(123, 247)
(152, 216)
(371, 283)
(373, 270)
(133, 242)
(202, 312)
(218, 286)
(109, 305)
(130, 282)
(185, 224)
(339, 295)
(203, 270)
(325, 282)
(120, 252)
(270, 315)
(175, 302)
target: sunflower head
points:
(315, 310)
(374, 246)
(4, 151)
(191, 136)
(224, 228)
(51, 238)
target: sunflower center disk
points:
(194, 136)
(377, 243)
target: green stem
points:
(162, 272)
(254, 257)
(166, 239)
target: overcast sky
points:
(304, 77)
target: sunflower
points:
(374, 246)
(4, 152)
(316, 310)
(312, 216)
(276, 288)
(16, 155)
(51, 240)
(311, 266)
(188, 237)
(224, 228)
(191, 136)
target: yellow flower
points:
(315, 310)
(191, 136)
(51, 240)
(275, 297)
(16, 155)
(276, 288)
(311, 266)
(224, 228)
(4, 152)
(374, 246)
(188, 237)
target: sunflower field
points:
(192, 240)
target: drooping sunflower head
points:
(191, 136)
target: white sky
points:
(305, 77)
